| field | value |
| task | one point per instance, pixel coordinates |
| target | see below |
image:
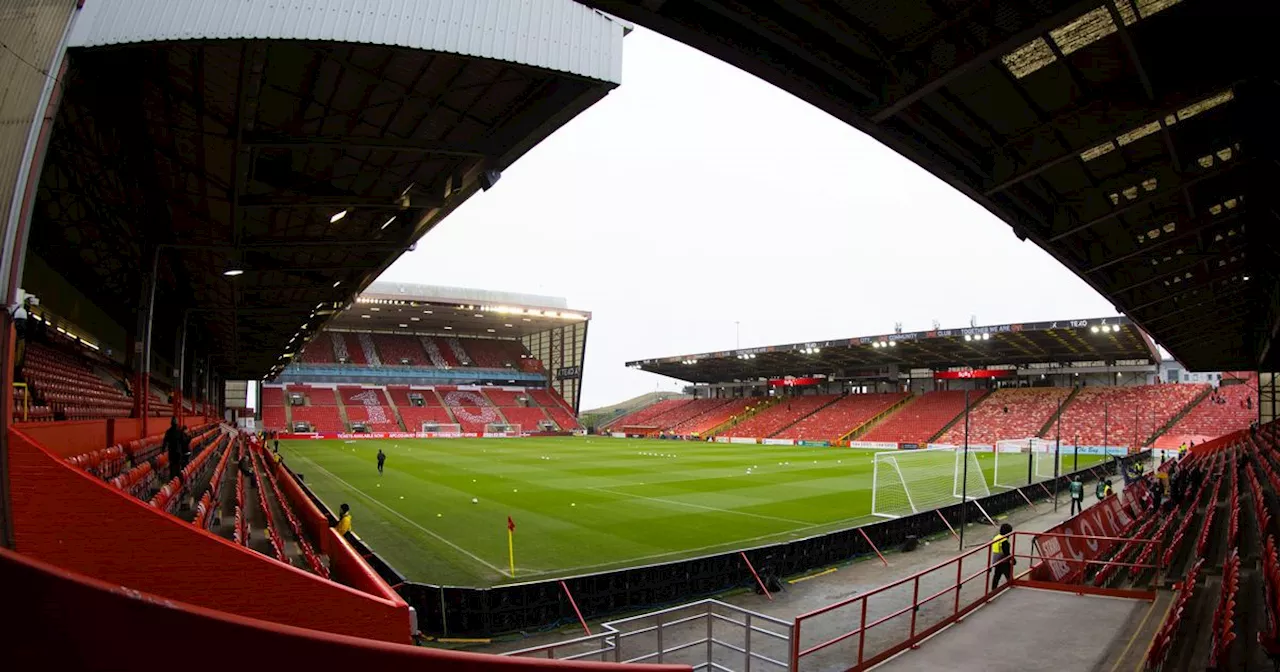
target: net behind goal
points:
(502, 429)
(910, 481)
(1020, 462)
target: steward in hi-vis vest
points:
(1002, 556)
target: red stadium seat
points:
(1009, 414)
(841, 417)
(781, 415)
(922, 418)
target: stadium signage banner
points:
(794, 382)
(875, 445)
(1107, 518)
(778, 442)
(569, 373)
(972, 373)
(742, 439)
(724, 439)
(384, 435)
(814, 444)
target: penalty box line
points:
(705, 508)
(401, 516)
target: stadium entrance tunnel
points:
(458, 611)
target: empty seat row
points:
(1017, 413)
(839, 418)
(312, 559)
(1223, 624)
(1162, 643)
(922, 418)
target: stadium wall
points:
(458, 611)
(70, 519)
(43, 603)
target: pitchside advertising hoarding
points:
(1107, 518)
(404, 435)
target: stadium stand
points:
(781, 415)
(645, 417)
(491, 354)
(505, 398)
(316, 396)
(320, 351)
(556, 407)
(1131, 414)
(527, 417)
(1008, 414)
(69, 387)
(397, 350)
(839, 418)
(414, 416)
(922, 418)
(347, 346)
(712, 418)
(375, 418)
(470, 408)
(321, 418)
(1226, 409)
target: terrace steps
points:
(973, 401)
(765, 404)
(1066, 403)
(873, 422)
(852, 434)
(1177, 417)
(815, 411)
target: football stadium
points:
(232, 436)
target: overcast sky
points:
(695, 196)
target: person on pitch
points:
(1077, 495)
(382, 458)
(1002, 556)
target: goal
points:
(441, 429)
(910, 481)
(501, 429)
(1020, 462)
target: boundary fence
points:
(462, 611)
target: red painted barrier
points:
(66, 438)
(68, 518)
(56, 619)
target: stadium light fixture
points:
(893, 344)
(967, 337)
(490, 330)
(986, 336)
(387, 223)
(364, 317)
(233, 272)
(415, 319)
(1245, 278)
(337, 216)
(404, 326)
(335, 285)
(448, 327)
(1094, 329)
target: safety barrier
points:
(899, 615)
(686, 635)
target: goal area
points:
(501, 429)
(910, 481)
(1020, 462)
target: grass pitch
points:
(581, 504)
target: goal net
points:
(1020, 462)
(910, 481)
(441, 429)
(501, 429)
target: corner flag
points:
(511, 545)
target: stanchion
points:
(948, 524)
(574, 604)
(760, 583)
(873, 546)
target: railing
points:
(899, 615)
(684, 635)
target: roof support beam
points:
(341, 201)
(999, 49)
(1147, 200)
(1165, 241)
(392, 144)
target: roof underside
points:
(450, 318)
(239, 154)
(1102, 340)
(1133, 140)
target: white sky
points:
(695, 195)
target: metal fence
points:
(708, 634)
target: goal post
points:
(501, 429)
(441, 429)
(910, 481)
(1020, 462)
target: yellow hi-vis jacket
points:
(996, 541)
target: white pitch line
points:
(686, 551)
(401, 516)
(706, 508)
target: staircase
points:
(765, 403)
(342, 410)
(815, 411)
(1178, 416)
(288, 413)
(866, 426)
(395, 410)
(1053, 417)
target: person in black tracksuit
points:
(382, 457)
(175, 444)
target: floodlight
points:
(233, 272)
(337, 216)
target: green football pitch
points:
(582, 504)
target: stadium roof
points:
(1134, 140)
(1109, 340)
(407, 308)
(304, 153)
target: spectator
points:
(344, 520)
(1077, 495)
(382, 458)
(175, 443)
(1001, 557)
